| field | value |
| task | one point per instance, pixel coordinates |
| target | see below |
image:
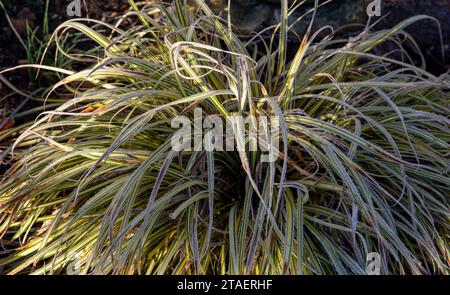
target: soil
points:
(12, 52)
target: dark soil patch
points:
(12, 52)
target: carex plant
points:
(363, 162)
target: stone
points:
(250, 18)
(254, 15)
(251, 15)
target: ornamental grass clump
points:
(363, 162)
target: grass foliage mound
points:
(363, 162)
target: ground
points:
(12, 52)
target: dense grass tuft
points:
(363, 166)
